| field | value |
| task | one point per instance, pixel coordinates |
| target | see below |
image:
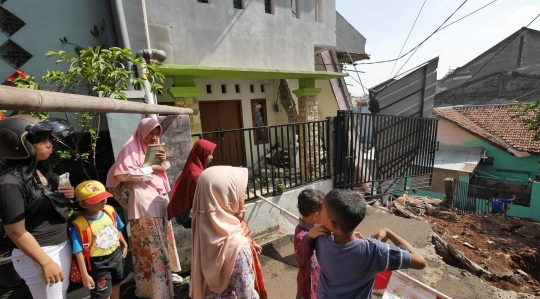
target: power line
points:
(468, 14)
(384, 61)
(432, 34)
(484, 65)
(418, 15)
(524, 95)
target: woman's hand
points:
(258, 248)
(162, 155)
(157, 168)
(52, 272)
(68, 192)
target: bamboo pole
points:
(25, 99)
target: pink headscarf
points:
(131, 157)
(216, 233)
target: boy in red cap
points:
(98, 244)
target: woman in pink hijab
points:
(154, 249)
(221, 264)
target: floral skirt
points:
(154, 257)
(242, 283)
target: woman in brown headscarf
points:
(222, 263)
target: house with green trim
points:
(508, 163)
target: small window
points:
(294, 9)
(258, 113)
(203, 1)
(238, 4)
(237, 88)
(223, 88)
(268, 7)
(208, 88)
(487, 161)
(251, 88)
(262, 87)
(318, 11)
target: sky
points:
(386, 23)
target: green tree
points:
(98, 72)
(529, 114)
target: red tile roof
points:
(493, 123)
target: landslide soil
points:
(507, 247)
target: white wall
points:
(217, 34)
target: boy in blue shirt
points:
(348, 264)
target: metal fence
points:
(471, 199)
(278, 157)
(375, 153)
(474, 199)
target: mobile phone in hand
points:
(63, 180)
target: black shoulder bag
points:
(61, 205)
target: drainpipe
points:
(122, 32)
(147, 55)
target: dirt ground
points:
(508, 247)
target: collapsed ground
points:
(504, 251)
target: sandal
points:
(176, 278)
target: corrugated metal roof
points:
(458, 157)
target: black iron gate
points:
(377, 153)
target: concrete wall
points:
(502, 79)
(217, 34)
(328, 105)
(48, 21)
(352, 40)
(496, 88)
(505, 61)
(450, 133)
(262, 218)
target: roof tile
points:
(493, 123)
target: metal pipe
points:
(148, 55)
(122, 31)
(24, 99)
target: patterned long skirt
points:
(154, 257)
(242, 283)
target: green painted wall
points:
(504, 160)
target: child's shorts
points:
(107, 271)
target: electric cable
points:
(384, 61)
(408, 35)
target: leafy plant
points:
(529, 114)
(279, 186)
(98, 72)
(261, 182)
(97, 32)
(299, 178)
